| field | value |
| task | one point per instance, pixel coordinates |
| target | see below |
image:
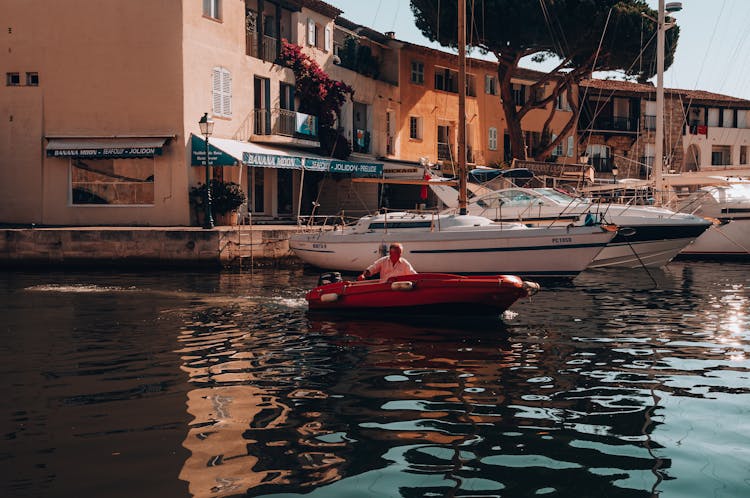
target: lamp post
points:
(615, 171)
(207, 128)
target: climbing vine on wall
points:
(320, 96)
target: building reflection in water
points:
(587, 391)
(243, 434)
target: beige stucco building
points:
(101, 100)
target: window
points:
(721, 155)
(728, 118)
(561, 103)
(417, 72)
(446, 79)
(713, 117)
(559, 148)
(212, 8)
(742, 119)
(519, 94)
(328, 38)
(112, 182)
(743, 154)
(222, 92)
(490, 84)
(471, 85)
(492, 139)
(310, 32)
(32, 79)
(286, 96)
(12, 79)
(415, 127)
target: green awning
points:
(216, 156)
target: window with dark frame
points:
(415, 128)
(32, 79)
(417, 72)
(12, 79)
(212, 9)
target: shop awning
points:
(253, 154)
(104, 148)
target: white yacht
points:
(730, 205)
(447, 243)
(648, 236)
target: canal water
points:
(200, 384)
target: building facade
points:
(703, 131)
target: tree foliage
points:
(581, 35)
(320, 96)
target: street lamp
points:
(615, 171)
(207, 128)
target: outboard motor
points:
(329, 278)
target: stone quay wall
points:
(189, 247)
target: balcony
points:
(285, 126)
(361, 142)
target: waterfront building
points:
(704, 131)
(101, 108)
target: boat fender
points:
(330, 297)
(405, 285)
(531, 287)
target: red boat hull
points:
(424, 292)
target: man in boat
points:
(389, 266)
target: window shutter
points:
(327, 42)
(310, 31)
(570, 146)
(226, 90)
(487, 84)
(216, 91)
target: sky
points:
(713, 52)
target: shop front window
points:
(112, 182)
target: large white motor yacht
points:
(455, 244)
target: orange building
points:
(429, 108)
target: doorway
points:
(285, 192)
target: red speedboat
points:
(433, 293)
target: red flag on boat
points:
(423, 191)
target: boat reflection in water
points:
(606, 393)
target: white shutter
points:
(310, 31)
(327, 42)
(216, 91)
(492, 139)
(226, 91)
(570, 146)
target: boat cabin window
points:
(400, 224)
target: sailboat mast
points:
(658, 170)
(462, 106)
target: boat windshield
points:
(524, 197)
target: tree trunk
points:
(512, 121)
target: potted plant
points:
(226, 199)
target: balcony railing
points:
(270, 49)
(649, 122)
(361, 142)
(285, 123)
(616, 123)
(444, 152)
